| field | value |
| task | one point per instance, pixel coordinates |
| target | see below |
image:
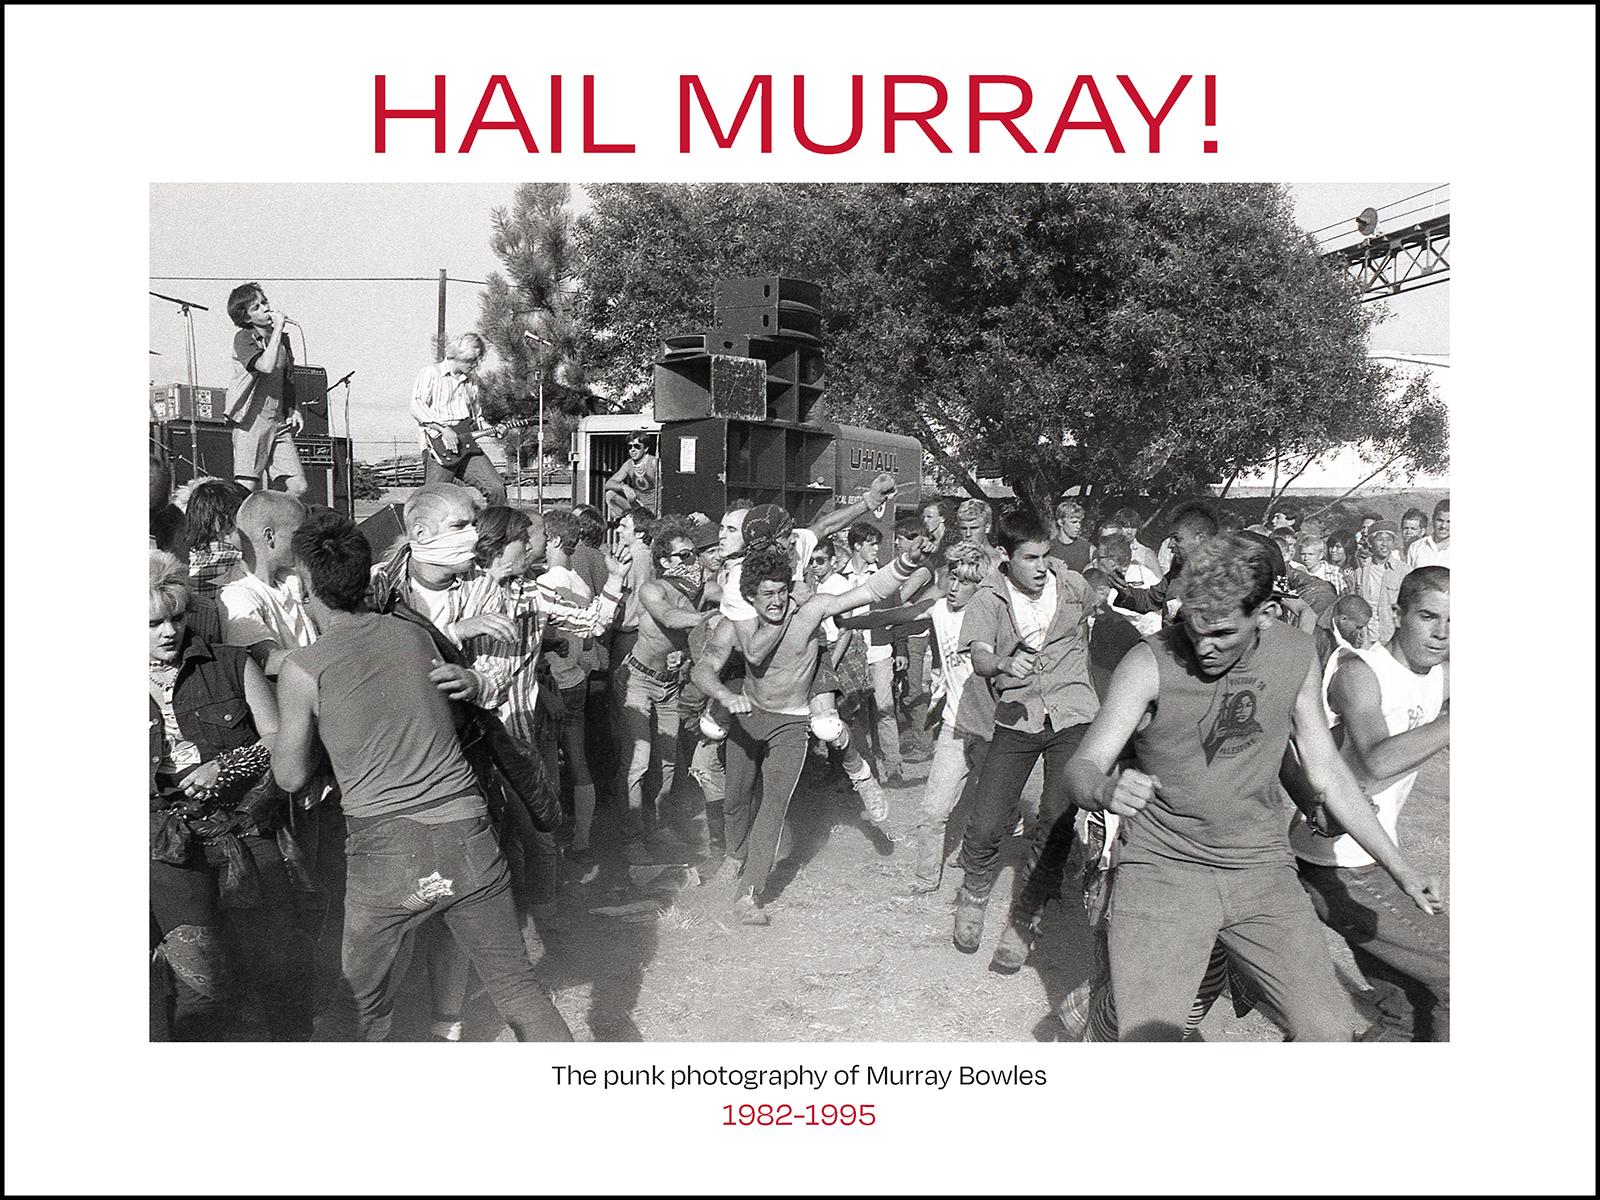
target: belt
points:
(658, 676)
(356, 824)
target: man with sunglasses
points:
(445, 403)
(651, 712)
(637, 482)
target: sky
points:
(207, 237)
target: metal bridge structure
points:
(1400, 260)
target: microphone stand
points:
(533, 337)
(184, 306)
(349, 447)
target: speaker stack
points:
(740, 404)
(762, 362)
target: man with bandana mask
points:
(434, 573)
(650, 707)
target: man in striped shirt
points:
(444, 402)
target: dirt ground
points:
(849, 955)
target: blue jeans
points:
(952, 783)
(650, 720)
(475, 470)
(773, 746)
(1011, 758)
(275, 950)
(400, 872)
(1166, 915)
(1403, 952)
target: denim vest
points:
(208, 700)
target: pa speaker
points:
(712, 385)
(383, 529)
(769, 306)
(311, 397)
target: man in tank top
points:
(1390, 709)
(1210, 705)
(420, 841)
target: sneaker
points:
(445, 1031)
(748, 911)
(1012, 952)
(872, 798)
(969, 921)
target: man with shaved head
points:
(265, 610)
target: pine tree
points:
(536, 298)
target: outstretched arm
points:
(707, 671)
(830, 523)
(668, 607)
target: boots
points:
(969, 921)
(1015, 943)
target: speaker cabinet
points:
(712, 385)
(311, 396)
(769, 306)
(383, 529)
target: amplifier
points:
(315, 451)
(311, 398)
(181, 402)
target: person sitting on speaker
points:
(637, 482)
(261, 405)
(445, 402)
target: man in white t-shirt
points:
(1389, 707)
(265, 611)
(1433, 551)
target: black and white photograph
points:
(927, 385)
(819, 561)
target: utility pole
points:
(440, 348)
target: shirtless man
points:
(743, 530)
(771, 714)
(650, 708)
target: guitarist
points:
(445, 402)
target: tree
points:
(540, 298)
(1120, 338)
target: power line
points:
(323, 279)
(1380, 207)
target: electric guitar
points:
(466, 444)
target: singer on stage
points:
(261, 404)
(445, 402)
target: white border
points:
(101, 102)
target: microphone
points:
(337, 382)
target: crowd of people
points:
(358, 753)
